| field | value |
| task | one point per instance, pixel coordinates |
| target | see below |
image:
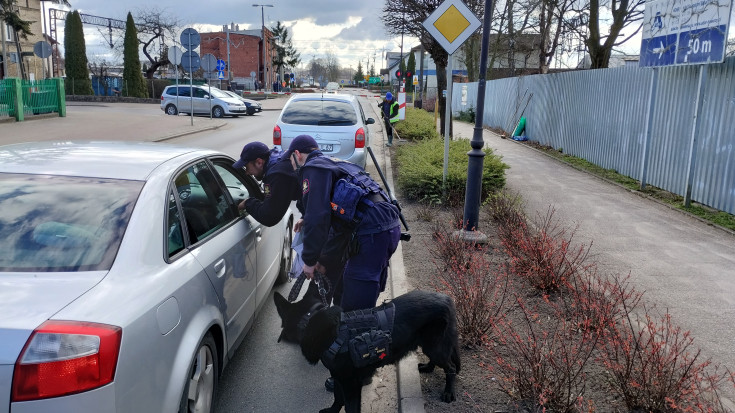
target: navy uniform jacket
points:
(280, 187)
(318, 176)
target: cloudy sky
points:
(352, 30)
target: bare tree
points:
(154, 27)
(624, 13)
(332, 66)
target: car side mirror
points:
(369, 121)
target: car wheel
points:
(286, 255)
(202, 380)
(171, 110)
(218, 112)
(251, 112)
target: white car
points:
(336, 121)
(332, 87)
(128, 277)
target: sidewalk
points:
(682, 264)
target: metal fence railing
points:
(20, 98)
(40, 96)
(7, 99)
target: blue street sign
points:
(658, 51)
(190, 61)
(680, 32)
(701, 46)
(220, 65)
(220, 74)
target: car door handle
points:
(259, 233)
(219, 268)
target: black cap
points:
(251, 152)
(303, 144)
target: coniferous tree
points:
(410, 67)
(75, 56)
(132, 74)
(359, 76)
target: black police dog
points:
(422, 318)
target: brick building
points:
(246, 54)
(29, 10)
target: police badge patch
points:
(305, 186)
(267, 190)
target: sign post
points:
(451, 24)
(174, 56)
(190, 39)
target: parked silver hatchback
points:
(202, 100)
(336, 121)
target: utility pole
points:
(262, 22)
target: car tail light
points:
(277, 135)
(360, 138)
(66, 357)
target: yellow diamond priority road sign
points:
(451, 24)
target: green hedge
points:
(419, 124)
(421, 166)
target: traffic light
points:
(408, 75)
(398, 73)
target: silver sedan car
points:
(128, 277)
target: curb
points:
(189, 132)
(408, 382)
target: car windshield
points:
(55, 223)
(319, 112)
(218, 93)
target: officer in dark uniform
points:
(373, 238)
(280, 185)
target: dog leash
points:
(322, 283)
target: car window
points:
(319, 112)
(171, 91)
(205, 206)
(184, 91)
(55, 223)
(200, 93)
(237, 189)
(175, 232)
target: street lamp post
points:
(262, 21)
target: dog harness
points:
(366, 334)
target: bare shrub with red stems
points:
(544, 346)
(655, 367)
(465, 274)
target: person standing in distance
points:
(389, 114)
(374, 232)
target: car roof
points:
(321, 96)
(102, 159)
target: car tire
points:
(202, 379)
(251, 112)
(286, 255)
(218, 112)
(171, 110)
